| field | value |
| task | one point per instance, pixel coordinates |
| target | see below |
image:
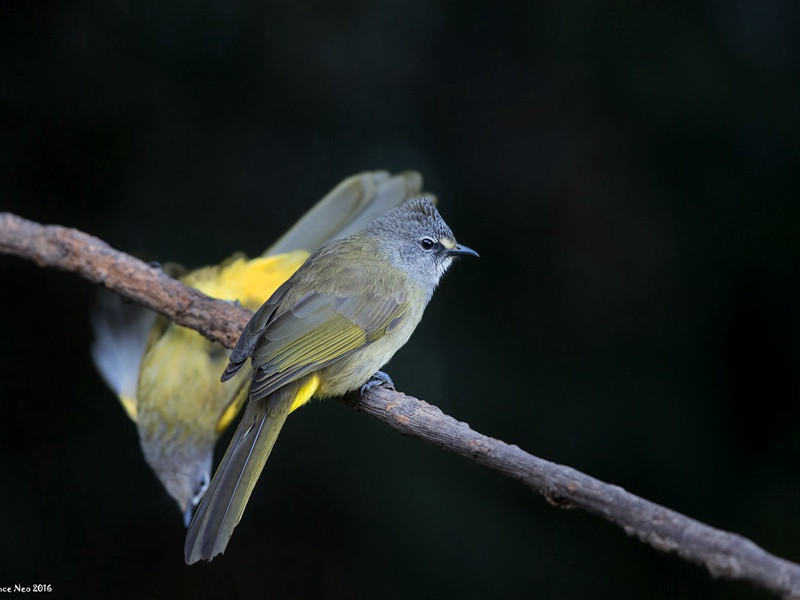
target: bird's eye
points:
(427, 243)
(200, 489)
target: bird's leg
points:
(379, 378)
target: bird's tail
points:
(224, 502)
(349, 206)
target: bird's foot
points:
(235, 302)
(379, 378)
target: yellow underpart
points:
(180, 365)
(179, 375)
(129, 404)
(229, 414)
(305, 392)
(250, 282)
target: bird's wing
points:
(293, 334)
(318, 329)
(254, 330)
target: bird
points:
(324, 332)
(166, 376)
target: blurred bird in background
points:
(167, 376)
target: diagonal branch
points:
(91, 258)
(725, 555)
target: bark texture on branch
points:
(91, 258)
(725, 555)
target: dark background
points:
(629, 175)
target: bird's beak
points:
(187, 515)
(460, 250)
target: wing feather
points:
(253, 331)
(321, 331)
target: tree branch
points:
(91, 258)
(725, 555)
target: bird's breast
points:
(352, 371)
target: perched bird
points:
(167, 376)
(324, 332)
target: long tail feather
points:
(347, 208)
(224, 502)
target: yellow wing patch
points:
(321, 345)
